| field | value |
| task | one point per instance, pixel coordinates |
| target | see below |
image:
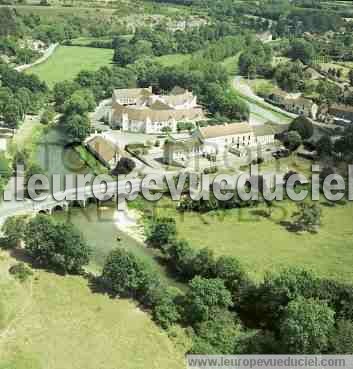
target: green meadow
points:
(56, 322)
(68, 61)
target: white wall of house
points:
(224, 143)
(157, 127)
(265, 140)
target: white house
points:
(214, 140)
(220, 138)
(139, 110)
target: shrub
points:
(47, 116)
(204, 263)
(210, 170)
(124, 166)
(14, 230)
(264, 304)
(308, 216)
(123, 273)
(181, 258)
(21, 272)
(303, 126)
(293, 140)
(342, 339)
(219, 334)
(161, 232)
(205, 298)
(307, 326)
(231, 272)
(166, 311)
(56, 245)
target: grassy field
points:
(58, 322)
(294, 163)
(173, 59)
(231, 64)
(263, 244)
(262, 86)
(68, 61)
(53, 12)
(86, 41)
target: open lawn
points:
(173, 59)
(284, 165)
(53, 12)
(68, 61)
(231, 63)
(57, 322)
(86, 41)
(263, 244)
(261, 86)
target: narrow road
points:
(28, 206)
(47, 53)
(260, 110)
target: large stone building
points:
(215, 140)
(139, 110)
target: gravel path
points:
(47, 53)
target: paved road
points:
(260, 110)
(27, 206)
(100, 112)
(47, 53)
(259, 114)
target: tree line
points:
(20, 94)
(159, 41)
(224, 311)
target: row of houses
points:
(340, 114)
(295, 104)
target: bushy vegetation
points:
(303, 126)
(19, 94)
(291, 311)
(21, 271)
(217, 41)
(50, 244)
(124, 166)
(14, 230)
(256, 60)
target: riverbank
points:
(260, 111)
